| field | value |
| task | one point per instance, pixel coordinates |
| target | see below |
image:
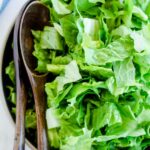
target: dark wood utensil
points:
(19, 143)
(35, 17)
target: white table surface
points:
(7, 18)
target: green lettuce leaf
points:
(50, 39)
(71, 74)
(83, 5)
(10, 71)
(141, 38)
(60, 7)
(124, 73)
(83, 142)
(115, 51)
(97, 72)
(30, 119)
(69, 29)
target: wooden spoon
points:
(35, 17)
(21, 100)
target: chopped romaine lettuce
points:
(101, 85)
(97, 55)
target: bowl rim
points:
(8, 24)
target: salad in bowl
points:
(97, 57)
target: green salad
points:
(97, 55)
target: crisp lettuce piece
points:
(55, 69)
(83, 142)
(144, 116)
(30, 119)
(83, 5)
(54, 89)
(80, 90)
(112, 87)
(42, 43)
(141, 38)
(43, 38)
(71, 74)
(58, 28)
(121, 31)
(62, 60)
(51, 91)
(12, 94)
(54, 138)
(50, 39)
(128, 127)
(69, 30)
(107, 114)
(143, 60)
(91, 28)
(139, 13)
(127, 15)
(60, 7)
(124, 73)
(115, 51)
(89, 42)
(58, 64)
(97, 72)
(142, 5)
(10, 71)
(51, 118)
(91, 33)
(42, 57)
(147, 11)
(140, 43)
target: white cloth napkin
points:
(3, 3)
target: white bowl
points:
(7, 125)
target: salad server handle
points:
(38, 83)
(19, 143)
(21, 99)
